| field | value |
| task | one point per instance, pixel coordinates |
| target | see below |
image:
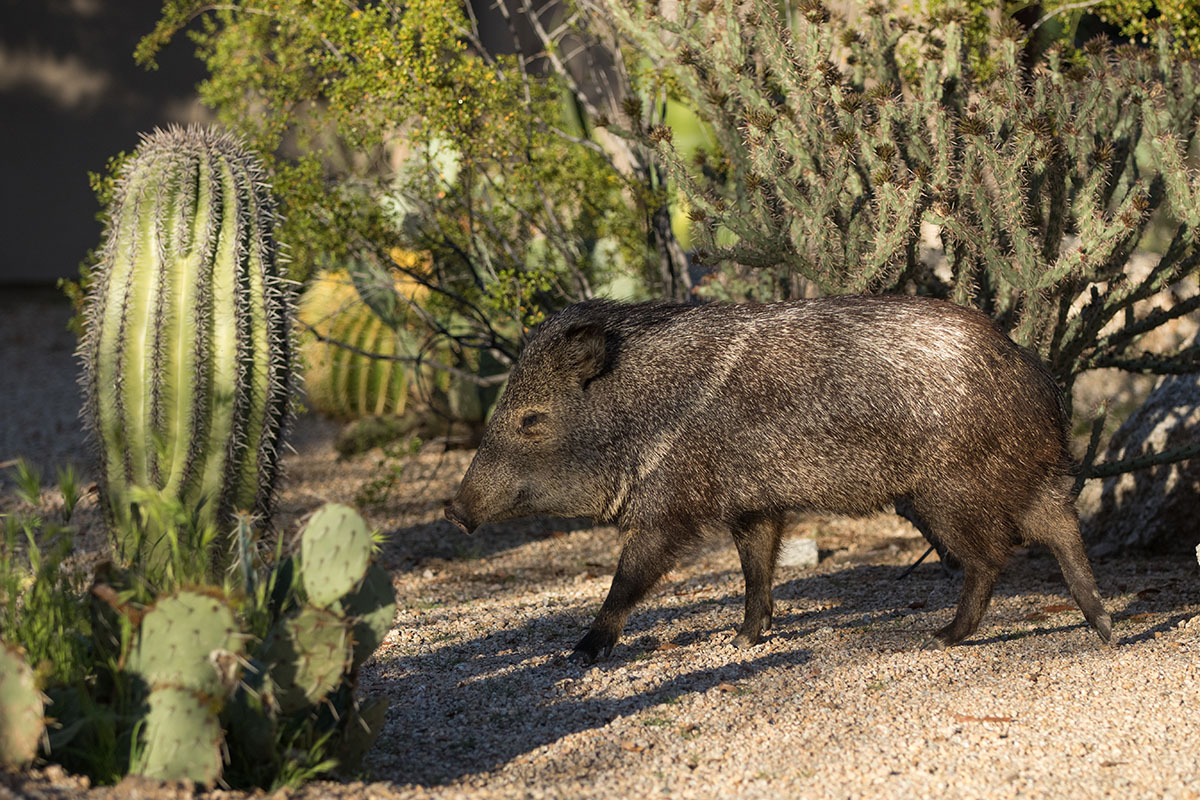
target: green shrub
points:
(389, 125)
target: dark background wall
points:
(70, 97)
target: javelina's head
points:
(540, 451)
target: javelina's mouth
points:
(457, 518)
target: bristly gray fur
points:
(664, 418)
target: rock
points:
(1155, 508)
(798, 553)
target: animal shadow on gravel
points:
(468, 706)
(472, 706)
(418, 544)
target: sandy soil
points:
(837, 702)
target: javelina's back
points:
(839, 404)
(664, 417)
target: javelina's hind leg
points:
(1054, 522)
(978, 580)
(757, 537)
(646, 557)
(982, 544)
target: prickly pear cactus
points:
(187, 353)
(335, 548)
(190, 639)
(371, 609)
(309, 653)
(362, 728)
(182, 737)
(21, 721)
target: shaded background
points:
(71, 96)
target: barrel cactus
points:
(187, 352)
(368, 353)
(340, 381)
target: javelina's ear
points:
(585, 351)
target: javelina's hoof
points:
(743, 641)
(590, 648)
(1103, 627)
(748, 638)
(933, 643)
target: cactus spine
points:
(187, 353)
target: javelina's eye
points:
(532, 420)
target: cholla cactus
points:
(836, 146)
(187, 351)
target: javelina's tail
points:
(1053, 521)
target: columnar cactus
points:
(187, 355)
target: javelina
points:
(662, 417)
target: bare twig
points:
(1061, 9)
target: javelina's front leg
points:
(646, 557)
(757, 537)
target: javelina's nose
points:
(459, 517)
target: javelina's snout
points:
(459, 516)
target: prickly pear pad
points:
(335, 548)
(21, 721)
(363, 725)
(308, 652)
(187, 639)
(182, 737)
(371, 608)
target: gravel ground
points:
(39, 397)
(838, 701)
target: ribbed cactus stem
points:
(187, 351)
